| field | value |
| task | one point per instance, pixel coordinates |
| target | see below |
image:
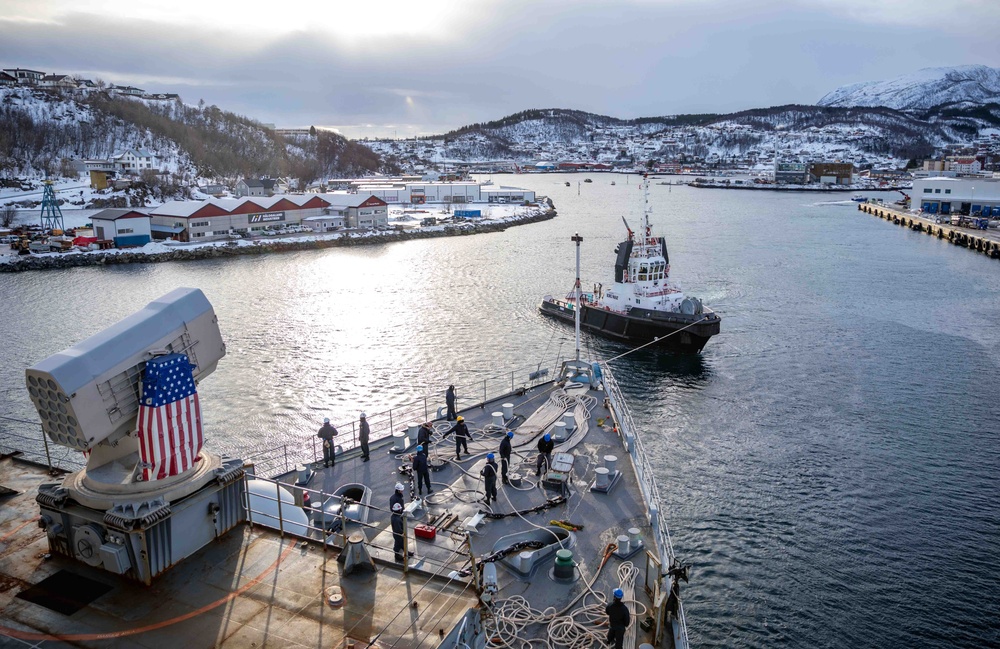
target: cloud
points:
(630, 58)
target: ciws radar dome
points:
(127, 398)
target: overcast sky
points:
(417, 67)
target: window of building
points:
(928, 190)
(125, 231)
(937, 191)
(197, 234)
(947, 191)
(220, 232)
(200, 224)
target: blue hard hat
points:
(547, 437)
(490, 456)
(510, 433)
(618, 593)
(420, 447)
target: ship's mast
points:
(645, 212)
(577, 307)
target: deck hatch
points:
(64, 592)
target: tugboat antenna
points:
(577, 306)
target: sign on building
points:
(266, 217)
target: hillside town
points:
(774, 149)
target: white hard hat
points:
(397, 507)
(362, 415)
(326, 420)
(399, 486)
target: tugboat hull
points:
(641, 325)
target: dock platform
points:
(983, 241)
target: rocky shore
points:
(17, 264)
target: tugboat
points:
(642, 305)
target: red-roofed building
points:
(219, 218)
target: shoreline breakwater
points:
(48, 261)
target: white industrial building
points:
(418, 192)
(113, 223)
(940, 195)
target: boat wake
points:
(847, 202)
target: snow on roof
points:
(117, 213)
(345, 199)
(187, 208)
(299, 199)
(179, 208)
(230, 204)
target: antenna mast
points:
(52, 217)
(577, 306)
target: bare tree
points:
(7, 214)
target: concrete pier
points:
(984, 241)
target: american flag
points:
(170, 435)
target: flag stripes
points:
(169, 425)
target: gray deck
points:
(254, 587)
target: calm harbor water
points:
(831, 462)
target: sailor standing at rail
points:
(327, 433)
(505, 451)
(449, 398)
(489, 473)
(363, 432)
(544, 461)
(461, 436)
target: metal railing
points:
(646, 479)
(281, 459)
(36, 449)
(382, 425)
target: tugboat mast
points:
(577, 306)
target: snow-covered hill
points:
(879, 137)
(923, 89)
(49, 132)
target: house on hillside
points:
(257, 187)
(7, 80)
(58, 81)
(25, 77)
(164, 96)
(129, 91)
(133, 160)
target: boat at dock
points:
(642, 305)
(123, 527)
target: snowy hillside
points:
(50, 132)
(966, 84)
(879, 137)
